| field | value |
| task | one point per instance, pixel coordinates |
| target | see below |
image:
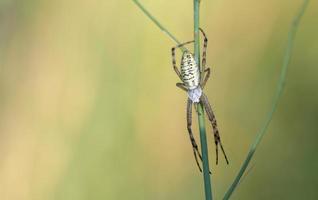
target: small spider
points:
(193, 81)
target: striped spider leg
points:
(193, 81)
(212, 119)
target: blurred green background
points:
(89, 107)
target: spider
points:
(193, 82)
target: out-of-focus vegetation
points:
(89, 107)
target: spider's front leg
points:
(205, 72)
(212, 119)
(206, 78)
(193, 142)
(205, 44)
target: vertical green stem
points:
(204, 150)
(201, 118)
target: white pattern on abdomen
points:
(189, 71)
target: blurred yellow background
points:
(89, 107)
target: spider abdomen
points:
(190, 71)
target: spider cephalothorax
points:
(193, 82)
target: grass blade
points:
(279, 91)
(154, 20)
(201, 118)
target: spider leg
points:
(206, 78)
(185, 43)
(212, 119)
(181, 86)
(196, 108)
(193, 142)
(173, 53)
(205, 44)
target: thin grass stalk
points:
(201, 118)
(279, 91)
(205, 157)
(160, 26)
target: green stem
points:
(279, 90)
(201, 118)
(154, 20)
(204, 150)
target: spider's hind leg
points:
(193, 142)
(196, 108)
(212, 119)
